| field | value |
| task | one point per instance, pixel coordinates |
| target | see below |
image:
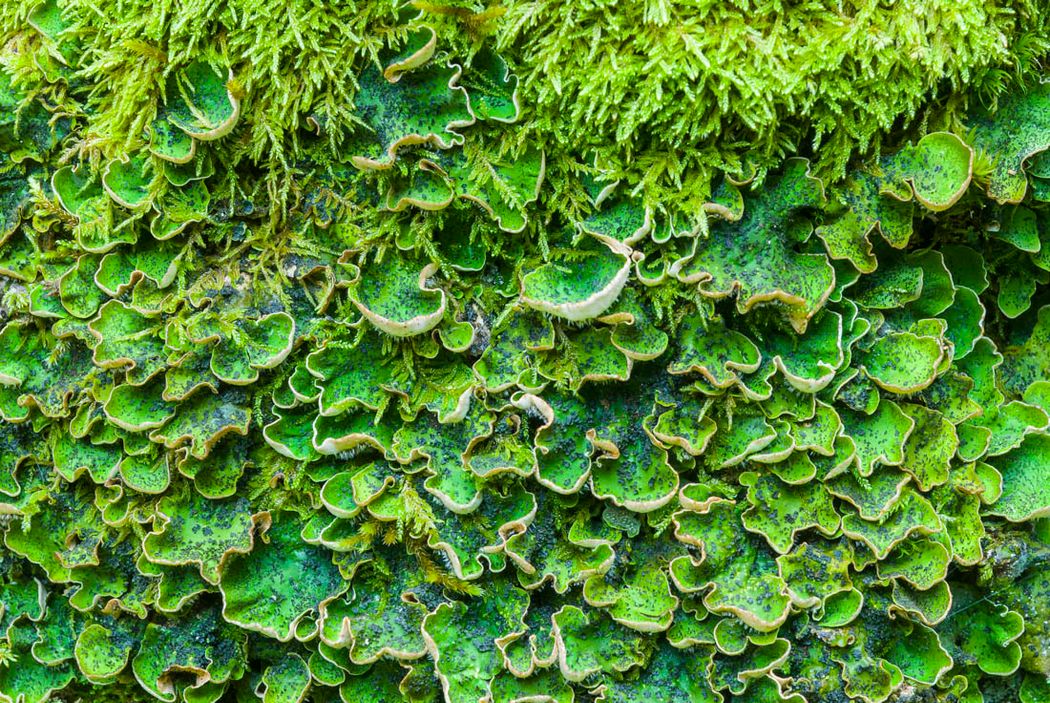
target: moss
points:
(670, 92)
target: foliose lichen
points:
(360, 392)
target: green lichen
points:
(537, 352)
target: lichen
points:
(376, 352)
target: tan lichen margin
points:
(536, 661)
(701, 503)
(807, 385)
(394, 71)
(597, 303)
(366, 164)
(605, 194)
(920, 195)
(418, 324)
(289, 344)
(611, 451)
(896, 607)
(331, 446)
(435, 652)
(562, 652)
(224, 128)
(291, 633)
(166, 686)
(398, 203)
(638, 625)
(136, 275)
(908, 532)
(58, 191)
(346, 637)
(124, 160)
(452, 506)
(534, 405)
(181, 440)
(260, 524)
(710, 588)
(514, 98)
(511, 527)
(484, 205)
(271, 363)
(165, 157)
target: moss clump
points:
(667, 93)
(663, 89)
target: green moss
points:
(670, 93)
